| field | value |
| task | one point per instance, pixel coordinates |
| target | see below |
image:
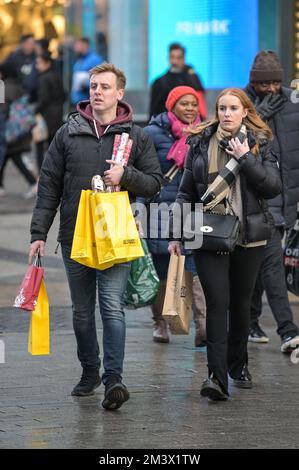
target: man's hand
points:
(270, 105)
(175, 248)
(113, 176)
(38, 245)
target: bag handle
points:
(38, 261)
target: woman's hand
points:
(238, 149)
(175, 248)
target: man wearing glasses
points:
(274, 105)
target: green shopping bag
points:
(143, 283)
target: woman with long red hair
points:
(228, 279)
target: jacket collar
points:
(78, 125)
(205, 136)
(160, 120)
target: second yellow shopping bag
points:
(39, 330)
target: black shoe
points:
(289, 342)
(245, 379)
(257, 335)
(116, 394)
(90, 380)
(211, 389)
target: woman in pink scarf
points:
(169, 131)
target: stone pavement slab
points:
(165, 409)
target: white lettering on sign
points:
(203, 28)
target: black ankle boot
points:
(245, 379)
(211, 389)
(90, 380)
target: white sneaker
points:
(2, 192)
(289, 344)
(31, 192)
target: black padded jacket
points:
(73, 158)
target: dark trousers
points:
(271, 278)
(228, 282)
(18, 162)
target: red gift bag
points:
(28, 293)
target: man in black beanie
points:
(273, 103)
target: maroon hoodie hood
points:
(124, 113)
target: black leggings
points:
(17, 159)
(228, 282)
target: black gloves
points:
(270, 105)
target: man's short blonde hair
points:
(107, 67)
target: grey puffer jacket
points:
(73, 158)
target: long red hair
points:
(252, 121)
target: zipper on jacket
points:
(56, 249)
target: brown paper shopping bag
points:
(178, 297)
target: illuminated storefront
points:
(43, 18)
(221, 36)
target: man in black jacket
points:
(274, 105)
(178, 74)
(22, 60)
(81, 149)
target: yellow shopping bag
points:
(39, 331)
(84, 249)
(79, 246)
(105, 232)
(116, 235)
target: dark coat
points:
(22, 65)
(160, 132)
(164, 84)
(259, 180)
(285, 127)
(73, 158)
(50, 99)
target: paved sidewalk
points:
(165, 409)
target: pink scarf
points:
(179, 149)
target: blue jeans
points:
(111, 284)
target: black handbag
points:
(219, 232)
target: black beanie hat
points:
(266, 67)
